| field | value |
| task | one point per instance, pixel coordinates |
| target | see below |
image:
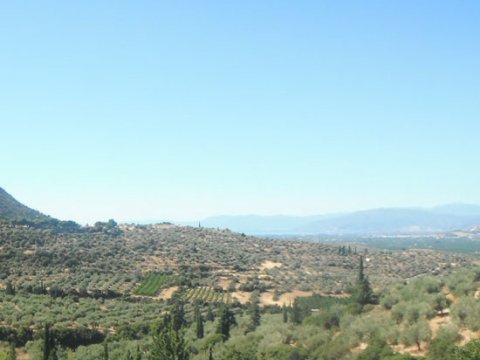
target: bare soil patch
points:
(241, 296)
(167, 293)
(439, 321)
(266, 265)
(467, 336)
(266, 298)
(359, 348)
(223, 282)
(411, 350)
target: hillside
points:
(126, 252)
(114, 280)
(112, 284)
(11, 209)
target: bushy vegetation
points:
(98, 291)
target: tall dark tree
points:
(178, 316)
(48, 344)
(10, 289)
(255, 315)
(363, 293)
(168, 342)
(285, 313)
(105, 351)
(12, 352)
(199, 322)
(226, 319)
(210, 314)
(296, 313)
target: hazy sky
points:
(183, 109)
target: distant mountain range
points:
(11, 209)
(385, 221)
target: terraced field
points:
(152, 284)
(207, 294)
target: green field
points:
(152, 284)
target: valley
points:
(110, 285)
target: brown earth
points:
(266, 265)
(167, 293)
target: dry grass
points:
(223, 282)
(266, 298)
(167, 293)
(241, 296)
(266, 265)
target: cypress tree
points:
(361, 274)
(296, 313)
(105, 351)
(226, 319)
(48, 344)
(210, 314)
(178, 317)
(363, 293)
(12, 352)
(10, 289)
(285, 313)
(255, 315)
(168, 342)
(199, 322)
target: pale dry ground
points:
(266, 298)
(362, 346)
(266, 265)
(167, 293)
(22, 355)
(241, 296)
(477, 294)
(223, 282)
(468, 335)
(439, 321)
(411, 350)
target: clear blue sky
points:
(178, 110)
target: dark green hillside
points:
(11, 209)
